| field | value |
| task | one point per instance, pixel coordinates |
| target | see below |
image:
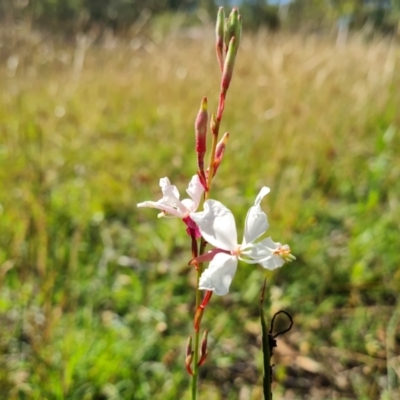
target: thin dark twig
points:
(273, 320)
(271, 338)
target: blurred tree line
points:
(314, 15)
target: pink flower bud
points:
(200, 127)
(204, 352)
(189, 350)
(220, 150)
(189, 356)
(219, 32)
(213, 124)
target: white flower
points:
(217, 226)
(170, 205)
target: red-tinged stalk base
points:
(221, 106)
(200, 310)
(203, 179)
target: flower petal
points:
(217, 225)
(171, 196)
(263, 192)
(195, 190)
(255, 253)
(168, 190)
(161, 206)
(218, 276)
(189, 205)
(256, 220)
(264, 253)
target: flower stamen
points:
(236, 252)
(285, 253)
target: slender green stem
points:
(266, 351)
(196, 338)
(195, 368)
(215, 132)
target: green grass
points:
(96, 298)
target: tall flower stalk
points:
(215, 225)
(228, 33)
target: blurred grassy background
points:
(96, 298)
